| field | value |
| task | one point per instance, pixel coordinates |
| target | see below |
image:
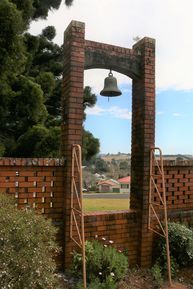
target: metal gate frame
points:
(156, 162)
(77, 215)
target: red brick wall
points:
(36, 183)
(119, 226)
(179, 186)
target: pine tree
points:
(30, 84)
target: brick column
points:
(72, 104)
(143, 134)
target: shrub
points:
(26, 248)
(181, 243)
(156, 271)
(181, 247)
(104, 264)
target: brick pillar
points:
(72, 104)
(143, 134)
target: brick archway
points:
(137, 63)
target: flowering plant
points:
(27, 244)
(104, 264)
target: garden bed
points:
(139, 279)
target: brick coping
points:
(47, 162)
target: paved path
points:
(105, 196)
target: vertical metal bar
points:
(77, 160)
(72, 193)
(166, 222)
(82, 216)
(159, 165)
(150, 190)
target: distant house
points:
(120, 186)
(125, 184)
(109, 186)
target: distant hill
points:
(116, 157)
(124, 156)
(115, 166)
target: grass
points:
(91, 205)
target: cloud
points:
(114, 111)
(96, 110)
(127, 90)
(160, 112)
(177, 114)
(170, 22)
(118, 112)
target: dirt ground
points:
(142, 279)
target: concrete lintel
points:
(122, 60)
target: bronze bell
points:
(110, 86)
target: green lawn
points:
(91, 205)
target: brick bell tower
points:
(137, 63)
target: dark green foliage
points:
(27, 104)
(49, 32)
(96, 284)
(47, 82)
(30, 84)
(34, 9)
(90, 145)
(101, 165)
(11, 46)
(27, 245)
(123, 165)
(42, 7)
(39, 141)
(181, 243)
(104, 264)
(89, 98)
(157, 274)
(181, 248)
(68, 2)
(27, 10)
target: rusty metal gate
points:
(157, 201)
(77, 215)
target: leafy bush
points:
(156, 271)
(181, 248)
(26, 248)
(104, 264)
(181, 243)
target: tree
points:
(101, 165)
(48, 57)
(34, 9)
(124, 165)
(30, 83)
(90, 145)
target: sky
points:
(170, 22)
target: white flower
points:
(96, 236)
(105, 245)
(100, 273)
(111, 241)
(112, 274)
(103, 238)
